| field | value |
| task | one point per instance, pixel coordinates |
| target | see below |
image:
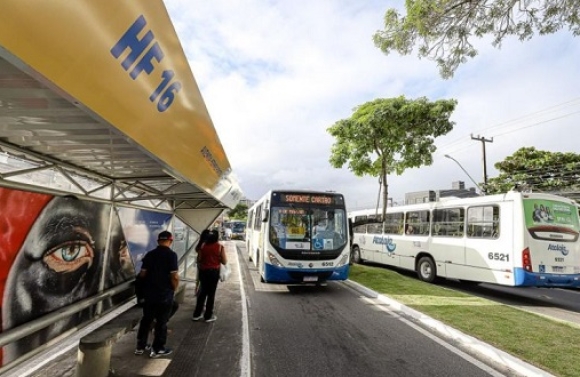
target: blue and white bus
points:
(513, 239)
(299, 237)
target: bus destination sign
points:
(318, 199)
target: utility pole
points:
(483, 141)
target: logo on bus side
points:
(560, 248)
(387, 241)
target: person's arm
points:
(174, 280)
(223, 257)
(174, 274)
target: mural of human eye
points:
(70, 256)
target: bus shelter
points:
(104, 138)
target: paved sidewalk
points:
(200, 349)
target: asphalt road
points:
(336, 331)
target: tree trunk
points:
(385, 193)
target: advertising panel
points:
(141, 228)
(55, 251)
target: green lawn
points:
(550, 345)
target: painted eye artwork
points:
(60, 262)
(71, 255)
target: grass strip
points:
(550, 345)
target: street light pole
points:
(466, 173)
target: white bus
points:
(513, 239)
(299, 237)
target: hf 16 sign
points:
(144, 51)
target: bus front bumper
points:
(302, 275)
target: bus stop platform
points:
(199, 348)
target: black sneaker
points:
(162, 352)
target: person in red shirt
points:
(209, 258)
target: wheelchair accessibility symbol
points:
(318, 244)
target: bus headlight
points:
(343, 261)
(273, 260)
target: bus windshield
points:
(304, 227)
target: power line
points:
(516, 126)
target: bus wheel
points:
(355, 255)
(426, 270)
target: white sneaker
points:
(162, 352)
(211, 319)
(198, 318)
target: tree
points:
(537, 170)
(239, 212)
(442, 29)
(390, 135)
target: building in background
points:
(457, 190)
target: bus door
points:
(263, 241)
(490, 241)
(552, 230)
(448, 240)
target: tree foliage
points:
(537, 170)
(443, 29)
(389, 135)
(240, 212)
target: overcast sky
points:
(276, 74)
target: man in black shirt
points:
(160, 280)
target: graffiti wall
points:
(57, 250)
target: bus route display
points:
(301, 198)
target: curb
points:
(468, 342)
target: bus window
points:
(483, 222)
(375, 228)
(394, 223)
(448, 222)
(417, 223)
(250, 219)
(258, 218)
(359, 220)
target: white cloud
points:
(276, 74)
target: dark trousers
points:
(158, 312)
(208, 281)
